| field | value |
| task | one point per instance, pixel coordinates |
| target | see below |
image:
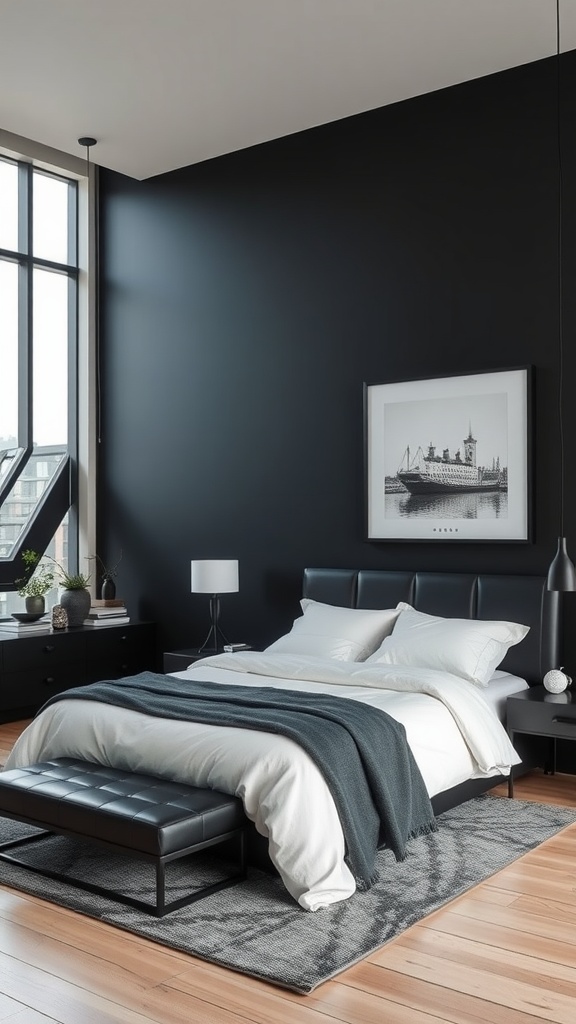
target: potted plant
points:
(107, 577)
(75, 597)
(36, 582)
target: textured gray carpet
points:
(256, 927)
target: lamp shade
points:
(561, 574)
(214, 576)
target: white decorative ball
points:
(556, 680)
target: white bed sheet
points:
(499, 688)
(283, 791)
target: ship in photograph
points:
(443, 474)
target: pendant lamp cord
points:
(560, 274)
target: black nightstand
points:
(177, 661)
(535, 712)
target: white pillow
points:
(471, 648)
(348, 634)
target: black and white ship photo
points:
(465, 475)
(447, 458)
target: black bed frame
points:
(452, 595)
(457, 595)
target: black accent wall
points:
(245, 300)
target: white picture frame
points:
(448, 458)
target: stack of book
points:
(12, 626)
(107, 613)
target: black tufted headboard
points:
(456, 595)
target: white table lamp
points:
(214, 576)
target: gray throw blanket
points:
(361, 751)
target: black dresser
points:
(33, 668)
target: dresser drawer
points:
(103, 642)
(42, 650)
(122, 652)
(33, 687)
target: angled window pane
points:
(58, 550)
(7, 457)
(8, 354)
(24, 497)
(50, 218)
(50, 358)
(8, 205)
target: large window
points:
(39, 272)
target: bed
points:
(451, 720)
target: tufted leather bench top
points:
(139, 812)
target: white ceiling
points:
(166, 83)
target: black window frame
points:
(61, 494)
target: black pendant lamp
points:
(561, 574)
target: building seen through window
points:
(38, 369)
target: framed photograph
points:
(448, 458)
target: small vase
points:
(35, 605)
(108, 591)
(77, 605)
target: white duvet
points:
(453, 732)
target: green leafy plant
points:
(38, 579)
(73, 581)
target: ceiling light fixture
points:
(88, 142)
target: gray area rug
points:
(256, 928)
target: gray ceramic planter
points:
(77, 605)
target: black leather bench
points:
(146, 817)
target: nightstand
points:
(177, 661)
(535, 712)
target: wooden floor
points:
(504, 953)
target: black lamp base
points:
(214, 642)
